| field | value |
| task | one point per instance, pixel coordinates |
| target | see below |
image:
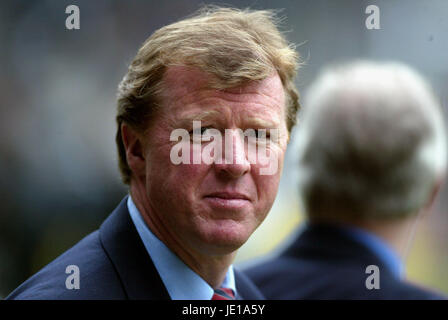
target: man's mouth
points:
(227, 200)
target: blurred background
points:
(58, 165)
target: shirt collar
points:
(384, 251)
(181, 282)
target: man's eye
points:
(200, 132)
(259, 133)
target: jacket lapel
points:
(120, 240)
(138, 275)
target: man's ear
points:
(133, 145)
(435, 190)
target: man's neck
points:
(211, 268)
(398, 233)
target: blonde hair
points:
(233, 46)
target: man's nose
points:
(234, 159)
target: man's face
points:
(213, 208)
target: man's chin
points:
(225, 238)
(221, 248)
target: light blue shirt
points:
(387, 255)
(181, 282)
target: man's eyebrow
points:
(188, 118)
(260, 123)
(214, 115)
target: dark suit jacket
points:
(325, 263)
(113, 264)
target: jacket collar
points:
(137, 273)
(329, 242)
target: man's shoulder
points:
(292, 278)
(283, 277)
(246, 289)
(57, 280)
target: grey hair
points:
(371, 142)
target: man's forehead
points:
(187, 96)
(181, 80)
(184, 78)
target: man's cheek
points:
(268, 187)
(270, 162)
(181, 164)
